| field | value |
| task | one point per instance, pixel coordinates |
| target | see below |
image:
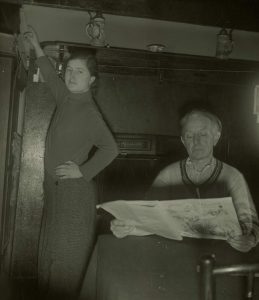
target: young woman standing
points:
(77, 127)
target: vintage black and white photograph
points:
(129, 149)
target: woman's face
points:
(77, 76)
(199, 136)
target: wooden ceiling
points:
(237, 14)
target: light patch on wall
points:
(256, 103)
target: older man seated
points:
(201, 175)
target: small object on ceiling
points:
(225, 44)
(95, 30)
(156, 47)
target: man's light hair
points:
(213, 118)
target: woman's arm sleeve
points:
(106, 151)
(52, 80)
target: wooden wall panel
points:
(148, 105)
(38, 111)
(6, 68)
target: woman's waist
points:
(51, 163)
(50, 178)
(55, 158)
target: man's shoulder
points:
(230, 169)
(169, 175)
(171, 167)
(170, 172)
(231, 173)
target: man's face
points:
(77, 76)
(199, 136)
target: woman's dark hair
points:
(89, 57)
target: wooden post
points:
(206, 277)
(250, 285)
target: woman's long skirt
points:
(67, 236)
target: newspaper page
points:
(147, 216)
(197, 218)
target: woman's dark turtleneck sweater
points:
(77, 126)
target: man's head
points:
(200, 132)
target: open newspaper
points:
(198, 218)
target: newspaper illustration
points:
(213, 218)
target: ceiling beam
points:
(237, 14)
(165, 66)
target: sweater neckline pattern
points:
(213, 177)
